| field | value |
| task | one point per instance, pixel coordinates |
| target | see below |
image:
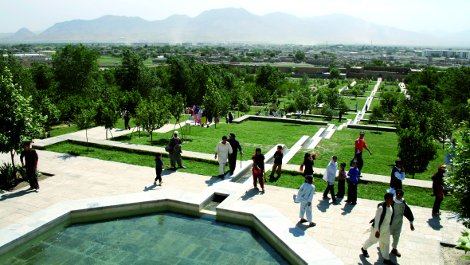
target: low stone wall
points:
(278, 119)
(372, 128)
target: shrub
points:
(8, 176)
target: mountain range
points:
(234, 25)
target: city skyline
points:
(419, 15)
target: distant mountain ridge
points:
(235, 25)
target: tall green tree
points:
(459, 179)
(153, 114)
(18, 120)
(214, 102)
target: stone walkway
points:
(341, 229)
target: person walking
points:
(359, 146)
(329, 177)
(341, 180)
(158, 169)
(380, 231)
(258, 169)
(307, 165)
(353, 175)
(222, 152)
(397, 176)
(232, 158)
(400, 210)
(305, 198)
(29, 160)
(438, 189)
(174, 151)
(277, 165)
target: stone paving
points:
(341, 229)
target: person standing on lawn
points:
(307, 165)
(222, 152)
(30, 163)
(397, 176)
(232, 158)
(359, 146)
(329, 177)
(174, 151)
(277, 165)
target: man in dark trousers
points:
(359, 146)
(397, 176)
(29, 160)
(232, 158)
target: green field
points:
(251, 134)
(382, 144)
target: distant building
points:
(460, 54)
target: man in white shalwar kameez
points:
(380, 231)
(222, 150)
(305, 197)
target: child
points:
(258, 169)
(352, 184)
(305, 197)
(278, 155)
(341, 180)
(158, 169)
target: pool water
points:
(163, 238)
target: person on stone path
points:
(380, 230)
(174, 151)
(438, 189)
(341, 180)
(232, 158)
(397, 176)
(359, 146)
(329, 177)
(158, 169)
(353, 180)
(222, 152)
(400, 210)
(29, 160)
(258, 169)
(305, 197)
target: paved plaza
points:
(341, 229)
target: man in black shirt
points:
(30, 163)
(232, 158)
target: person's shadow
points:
(250, 194)
(347, 209)
(435, 223)
(213, 180)
(298, 230)
(16, 194)
(151, 187)
(323, 205)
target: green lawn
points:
(351, 102)
(133, 158)
(382, 144)
(250, 134)
(366, 190)
(62, 129)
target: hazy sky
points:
(416, 15)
